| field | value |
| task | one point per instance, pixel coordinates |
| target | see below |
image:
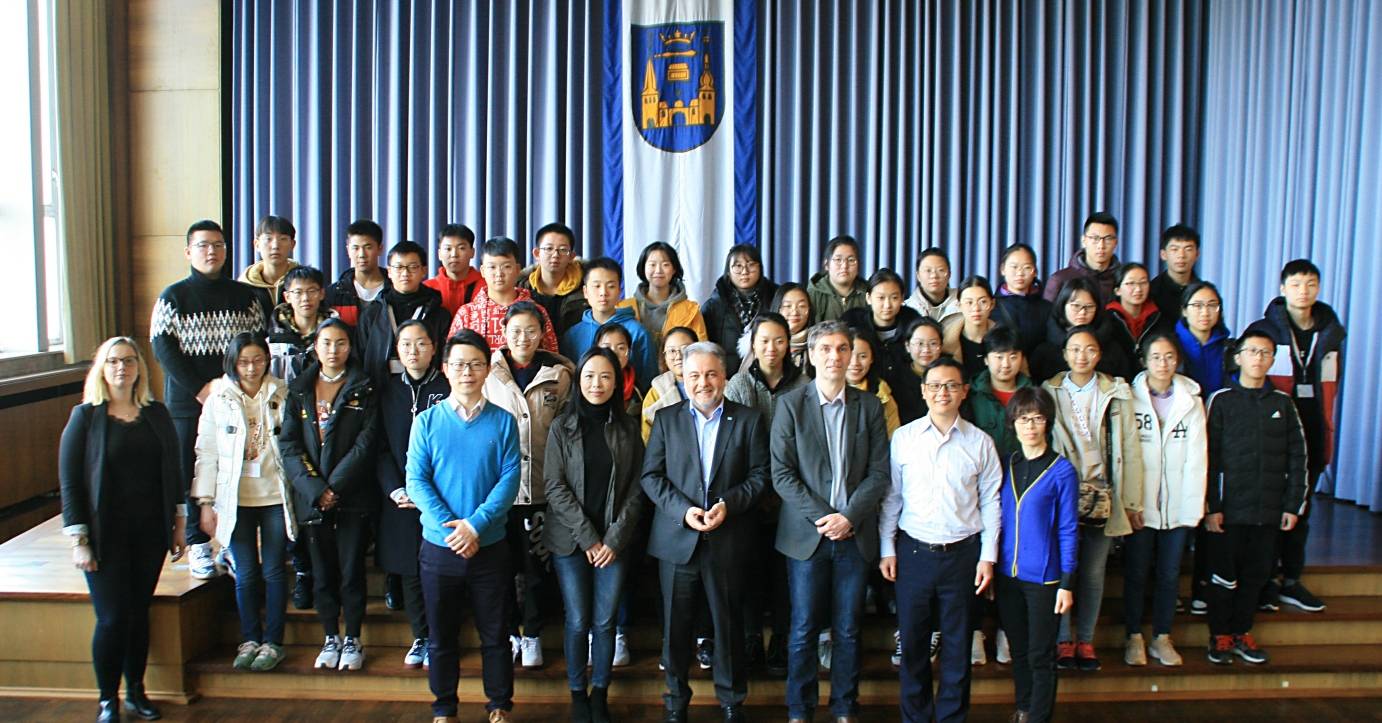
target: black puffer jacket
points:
(1256, 455)
(378, 332)
(1025, 315)
(401, 399)
(721, 312)
(1048, 359)
(343, 459)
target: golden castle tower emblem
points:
(657, 112)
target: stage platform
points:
(47, 622)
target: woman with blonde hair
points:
(122, 508)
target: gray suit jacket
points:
(802, 472)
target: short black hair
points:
(335, 322)
(917, 323)
(787, 288)
(403, 248)
(306, 274)
(1031, 399)
(1195, 288)
(1129, 266)
(205, 224)
(975, 281)
(602, 262)
(1297, 267)
(1145, 347)
(748, 251)
(275, 224)
(519, 308)
(666, 249)
(886, 275)
(1082, 329)
(616, 407)
(837, 242)
(1100, 217)
(500, 246)
(237, 345)
(410, 323)
(943, 362)
(457, 230)
(1072, 287)
(936, 252)
(1179, 232)
(560, 229)
(368, 229)
(465, 337)
(1015, 248)
(684, 330)
(768, 317)
(1001, 339)
(1252, 334)
(614, 327)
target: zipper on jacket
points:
(1017, 514)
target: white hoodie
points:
(1175, 455)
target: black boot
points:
(599, 705)
(580, 707)
(109, 711)
(138, 704)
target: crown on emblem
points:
(678, 36)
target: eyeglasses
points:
(672, 352)
(122, 361)
(982, 303)
(252, 362)
(846, 261)
(524, 333)
(557, 251)
(409, 269)
(925, 344)
(1202, 306)
(414, 345)
(1020, 269)
(937, 387)
(744, 268)
(942, 271)
(1030, 420)
(1258, 352)
(205, 246)
(470, 366)
(299, 294)
(1082, 308)
(1162, 358)
(1082, 350)
(1137, 284)
(1108, 240)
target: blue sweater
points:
(463, 470)
(1204, 362)
(581, 336)
(1040, 531)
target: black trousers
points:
(720, 586)
(122, 589)
(338, 564)
(943, 581)
(446, 579)
(768, 568)
(533, 563)
(1027, 611)
(1240, 559)
(1291, 544)
(186, 428)
(414, 604)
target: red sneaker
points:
(1065, 656)
(1246, 648)
(1221, 650)
(1085, 657)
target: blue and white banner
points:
(680, 159)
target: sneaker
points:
(589, 650)
(1296, 594)
(1065, 656)
(1085, 657)
(977, 654)
(897, 649)
(531, 652)
(352, 654)
(1135, 651)
(225, 561)
(1269, 600)
(1004, 653)
(201, 562)
(1180, 606)
(244, 655)
(416, 654)
(270, 655)
(621, 650)
(1163, 651)
(935, 647)
(1246, 648)
(515, 644)
(824, 648)
(705, 653)
(498, 716)
(302, 591)
(330, 656)
(1199, 607)
(1221, 650)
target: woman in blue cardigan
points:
(1037, 555)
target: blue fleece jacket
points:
(581, 336)
(1204, 362)
(1040, 530)
(463, 470)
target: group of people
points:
(789, 454)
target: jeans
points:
(122, 588)
(446, 577)
(260, 530)
(1139, 548)
(591, 595)
(1089, 585)
(1027, 611)
(1240, 560)
(943, 581)
(827, 588)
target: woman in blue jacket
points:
(1037, 551)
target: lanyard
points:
(1302, 359)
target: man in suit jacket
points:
(705, 467)
(830, 467)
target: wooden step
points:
(1299, 669)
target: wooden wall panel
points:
(174, 45)
(31, 460)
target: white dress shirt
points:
(707, 431)
(945, 487)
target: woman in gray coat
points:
(593, 462)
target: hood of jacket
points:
(254, 275)
(948, 307)
(570, 280)
(820, 282)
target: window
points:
(32, 318)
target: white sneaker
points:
(589, 650)
(330, 656)
(897, 649)
(1004, 653)
(225, 562)
(935, 647)
(621, 650)
(352, 655)
(531, 651)
(201, 562)
(416, 654)
(977, 654)
(823, 649)
(516, 646)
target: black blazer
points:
(568, 529)
(82, 469)
(802, 475)
(343, 460)
(672, 480)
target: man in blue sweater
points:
(462, 473)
